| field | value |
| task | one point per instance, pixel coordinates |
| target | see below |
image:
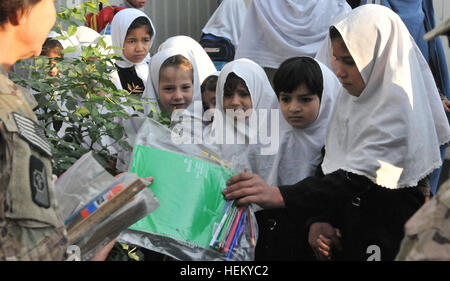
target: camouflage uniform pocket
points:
(29, 193)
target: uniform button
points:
(271, 223)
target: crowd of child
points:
(355, 107)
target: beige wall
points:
(172, 17)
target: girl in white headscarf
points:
(204, 64)
(382, 141)
(306, 90)
(159, 65)
(132, 30)
(243, 92)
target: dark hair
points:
(232, 82)
(334, 33)
(296, 71)
(51, 44)
(177, 61)
(209, 84)
(140, 22)
(9, 10)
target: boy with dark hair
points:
(52, 49)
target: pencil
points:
(229, 223)
(252, 234)
(233, 230)
(226, 211)
(236, 235)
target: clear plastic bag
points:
(87, 190)
(188, 180)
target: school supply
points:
(231, 227)
(96, 206)
(109, 201)
(189, 180)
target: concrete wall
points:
(171, 17)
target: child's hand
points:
(248, 188)
(323, 238)
(446, 104)
(102, 254)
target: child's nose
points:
(294, 107)
(140, 46)
(235, 100)
(177, 95)
(340, 71)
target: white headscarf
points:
(391, 133)
(205, 66)
(263, 97)
(227, 20)
(277, 30)
(300, 149)
(119, 28)
(151, 88)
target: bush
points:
(81, 99)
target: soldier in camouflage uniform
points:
(427, 233)
(31, 227)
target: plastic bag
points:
(188, 180)
(96, 206)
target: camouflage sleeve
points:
(5, 167)
(4, 163)
(427, 233)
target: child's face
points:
(346, 70)
(301, 107)
(238, 99)
(137, 45)
(53, 53)
(175, 88)
(137, 3)
(209, 100)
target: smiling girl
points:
(173, 84)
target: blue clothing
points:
(436, 51)
(106, 30)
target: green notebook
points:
(189, 191)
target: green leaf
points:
(72, 29)
(70, 49)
